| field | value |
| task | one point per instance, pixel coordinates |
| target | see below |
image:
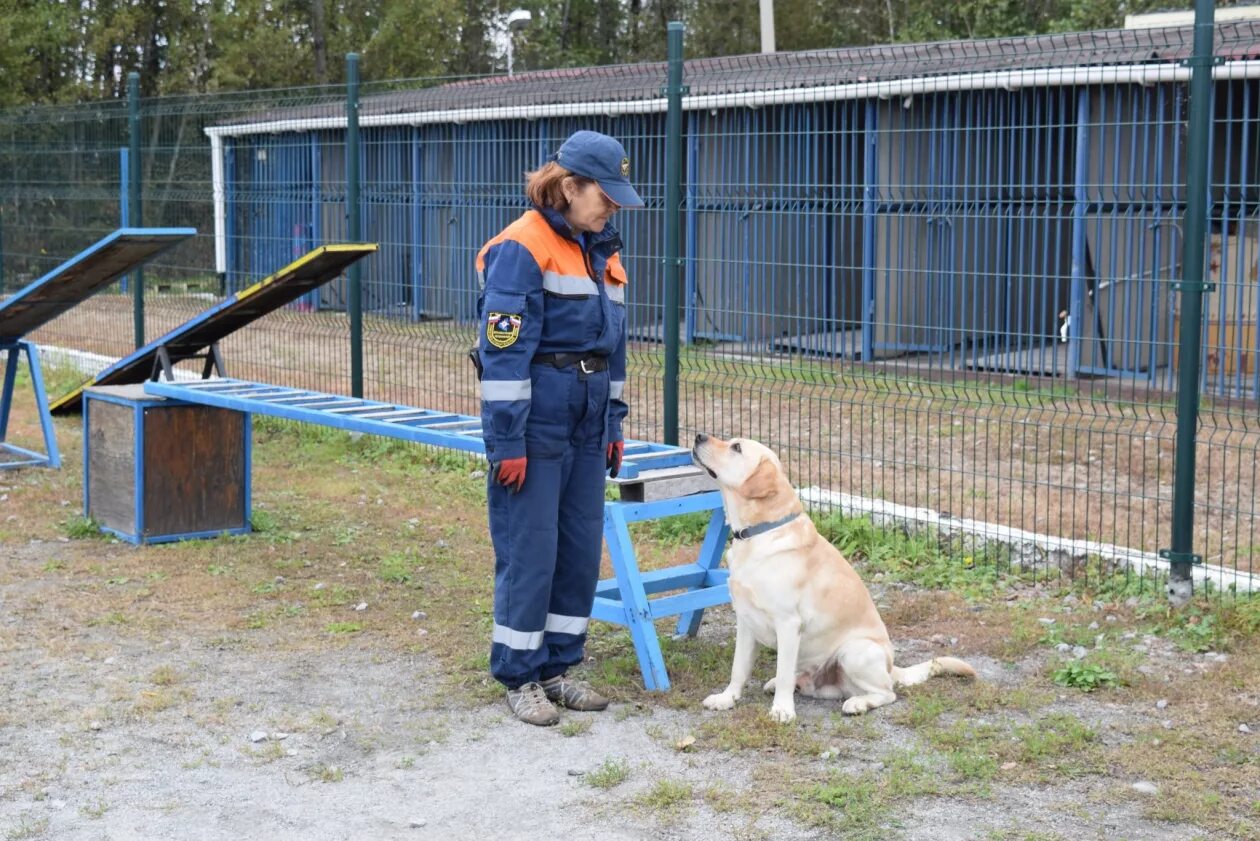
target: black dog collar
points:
(762, 528)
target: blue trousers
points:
(547, 538)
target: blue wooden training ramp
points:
(199, 336)
(69, 284)
(647, 474)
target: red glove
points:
(511, 472)
(616, 449)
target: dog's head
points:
(749, 474)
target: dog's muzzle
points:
(695, 454)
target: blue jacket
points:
(546, 290)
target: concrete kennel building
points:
(1007, 205)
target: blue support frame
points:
(51, 457)
(621, 600)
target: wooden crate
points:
(158, 470)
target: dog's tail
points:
(911, 675)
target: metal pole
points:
(354, 222)
(1191, 287)
(134, 218)
(674, 91)
(767, 26)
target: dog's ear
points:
(761, 483)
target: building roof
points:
(788, 71)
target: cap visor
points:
(621, 193)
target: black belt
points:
(588, 363)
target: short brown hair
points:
(542, 186)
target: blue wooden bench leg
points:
(635, 601)
(710, 558)
(51, 456)
(6, 399)
(41, 402)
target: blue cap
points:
(600, 157)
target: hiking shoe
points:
(529, 703)
(574, 694)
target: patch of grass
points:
(923, 708)
(334, 596)
(855, 807)
(1053, 747)
(262, 521)
(397, 568)
(164, 676)
(150, 701)
(26, 828)
(268, 753)
(1080, 674)
(972, 766)
(1194, 630)
(1061, 740)
(343, 628)
(667, 796)
(721, 800)
(574, 727)
(83, 528)
(681, 530)
(114, 618)
(612, 772)
(697, 667)
(915, 558)
(95, 810)
(862, 806)
(748, 727)
(321, 772)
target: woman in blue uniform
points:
(552, 349)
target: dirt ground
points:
(324, 678)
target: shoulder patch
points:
(503, 328)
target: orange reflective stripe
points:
(552, 252)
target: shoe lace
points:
(532, 698)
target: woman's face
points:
(589, 209)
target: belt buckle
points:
(582, 366)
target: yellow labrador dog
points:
(795, 592)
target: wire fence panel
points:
(941, 277)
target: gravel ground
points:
(111, 733)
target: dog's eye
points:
(736, 448)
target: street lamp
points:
(517, 20)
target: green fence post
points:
(674, 91)
(1191, 287)
(134, 218)
(354, 222)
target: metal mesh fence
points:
(940, 277)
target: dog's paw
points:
(855, 706)
(720, 701)
(782, 713)
(768, 688)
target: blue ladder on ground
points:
(622, 599)
(33, 306)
